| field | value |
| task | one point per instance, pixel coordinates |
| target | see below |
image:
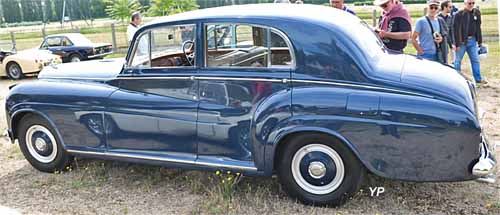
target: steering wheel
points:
(189, 56)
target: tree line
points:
(19, 11)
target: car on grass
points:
(307, 93)
(15, 65)
(75, 47)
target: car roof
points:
(316, 14)
(64, 35)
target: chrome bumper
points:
(485, 168)
(100, 55)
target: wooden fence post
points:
(13, 38)
(374, 17)
(44, 33)
(113, 37)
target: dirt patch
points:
(105, 187)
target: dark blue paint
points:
(403, 117)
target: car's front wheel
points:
(41, 146)
(317, 169)
(14, 71)
(75, 58)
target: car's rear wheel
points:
(41, 146)
(317, 169)
(75, 58)
(14, 71)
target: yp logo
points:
(376, 191)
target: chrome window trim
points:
(134, 49)
(275, 30)
(158, 158)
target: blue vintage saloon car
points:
(74, 47)
(308, 93)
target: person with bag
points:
(430, 35)
(468, 38)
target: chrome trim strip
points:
(77, 78)
(238, 79)
(154, 77)
(156, 158)
(360, 86)
(100, 55)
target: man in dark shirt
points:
(448, 16)
(468, 38)
(394, 25)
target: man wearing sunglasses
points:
(429, 35)
(467, 32)
(339, 4)
(394, 25)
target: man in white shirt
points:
(135, 22)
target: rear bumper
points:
(485, 167)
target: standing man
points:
(394, 25)
(447, 15)
(339, 4)
(430, 30)
(468, 36)
(135, 22)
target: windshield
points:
(371, 44)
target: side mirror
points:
(170, 37)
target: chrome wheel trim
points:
(75, 59)
(15, 71)
(318, 190)
(37, 142)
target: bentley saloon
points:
(308, 93)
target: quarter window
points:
(240, 45)
(166, 47)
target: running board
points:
(207, 161)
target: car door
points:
(155, 109)
(243, 93)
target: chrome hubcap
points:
(317, 169)
(41, 143)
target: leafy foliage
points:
(121, 9)
(169, 7)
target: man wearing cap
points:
(135, 22)
(429, 37)
(468, 36)
(339, 4)
(394, 25)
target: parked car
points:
(313, 97)
(16, 64)
(75, 47)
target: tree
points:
(169, 7)
(121, 9)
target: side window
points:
(240, 45)
(141, 55)
(66, 42)
(52, 42)
(166, 47)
